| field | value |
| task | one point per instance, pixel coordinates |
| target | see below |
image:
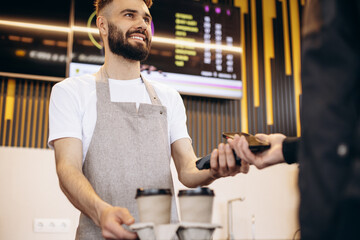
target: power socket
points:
(51, 225)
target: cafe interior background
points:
(251, 46)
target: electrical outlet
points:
(51, 225)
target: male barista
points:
(115, 131)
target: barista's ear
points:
(102, 24)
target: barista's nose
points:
(144, 28)
(142, 24)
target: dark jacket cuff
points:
(290, 149)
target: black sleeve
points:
(290, 148)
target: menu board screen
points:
(195, 48)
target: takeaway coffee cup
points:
(154, 205)
(196, 205)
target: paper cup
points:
(154, 205)
(196, 205)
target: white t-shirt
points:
(72, 110)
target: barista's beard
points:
(120, 45)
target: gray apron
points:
(129, 149)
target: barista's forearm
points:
(193, 178)
(185, 162)
(79, 192)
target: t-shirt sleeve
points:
(64, 114)
(178, 128)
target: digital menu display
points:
(208, 25)
(196, 47)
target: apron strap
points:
(101, 75)
(151, 91)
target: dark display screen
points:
(27, 49)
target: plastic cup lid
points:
(200, 191)
(141, 192)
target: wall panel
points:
(27, 126)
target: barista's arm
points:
(222, 164)
(68, 156)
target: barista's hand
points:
(264, 159)
(223, 164)
(111, 220)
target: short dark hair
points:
(101, 4)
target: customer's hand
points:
(111, 220)
(264, 159)
(222, 162)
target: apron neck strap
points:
(151, 91)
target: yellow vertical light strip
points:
(302, 2)
(36, 101)
(288, 70)
(1, 101)
(17, 116)
(243, 4)
(295, 35)
(41, 115)
(28, 119)
(269, 12)
(23, 115)
(9, 108)
(46, 123)
(255, 60)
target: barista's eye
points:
(147, 20)
(131, 15)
